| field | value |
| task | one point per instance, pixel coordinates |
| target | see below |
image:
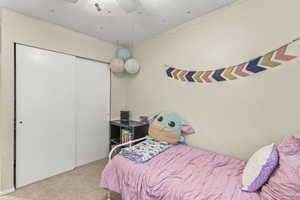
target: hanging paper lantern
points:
(132, 66)
(117, 65)
(123, 53)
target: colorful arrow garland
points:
(262, 63)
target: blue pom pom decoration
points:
(123, 53)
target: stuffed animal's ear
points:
(182, 139)
(153, 117)
(187, 129)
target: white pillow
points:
(259, 168)
(297, 136)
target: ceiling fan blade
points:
(71, 1)
(129, 5)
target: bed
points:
(180, 173)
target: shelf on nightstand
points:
(137, 129)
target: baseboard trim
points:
(2, 193)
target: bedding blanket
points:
(144, 151)
(179, 173)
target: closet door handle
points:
(21, 122)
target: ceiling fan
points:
(127, 5)
(71, 1)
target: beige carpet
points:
(79, 184)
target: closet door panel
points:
(45, 94)
(93, 109)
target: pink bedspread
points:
(180, 173)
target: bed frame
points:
(108, 197)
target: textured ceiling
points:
(113, 23)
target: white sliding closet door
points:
(93, 110)
(45, 100)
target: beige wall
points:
(235, 117)
(26, 30)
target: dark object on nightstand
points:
(137, 130)
(125, 116)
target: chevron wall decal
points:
(197, 77)
(268, 61)
(280, 55)
(189, 76)
(217, 75)
(239, 71)
(254, 67)
(228, 73)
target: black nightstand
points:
(137, 129)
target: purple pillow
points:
(284, 184)
(259, 168)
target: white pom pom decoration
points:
(117, 65)
(132, 66)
